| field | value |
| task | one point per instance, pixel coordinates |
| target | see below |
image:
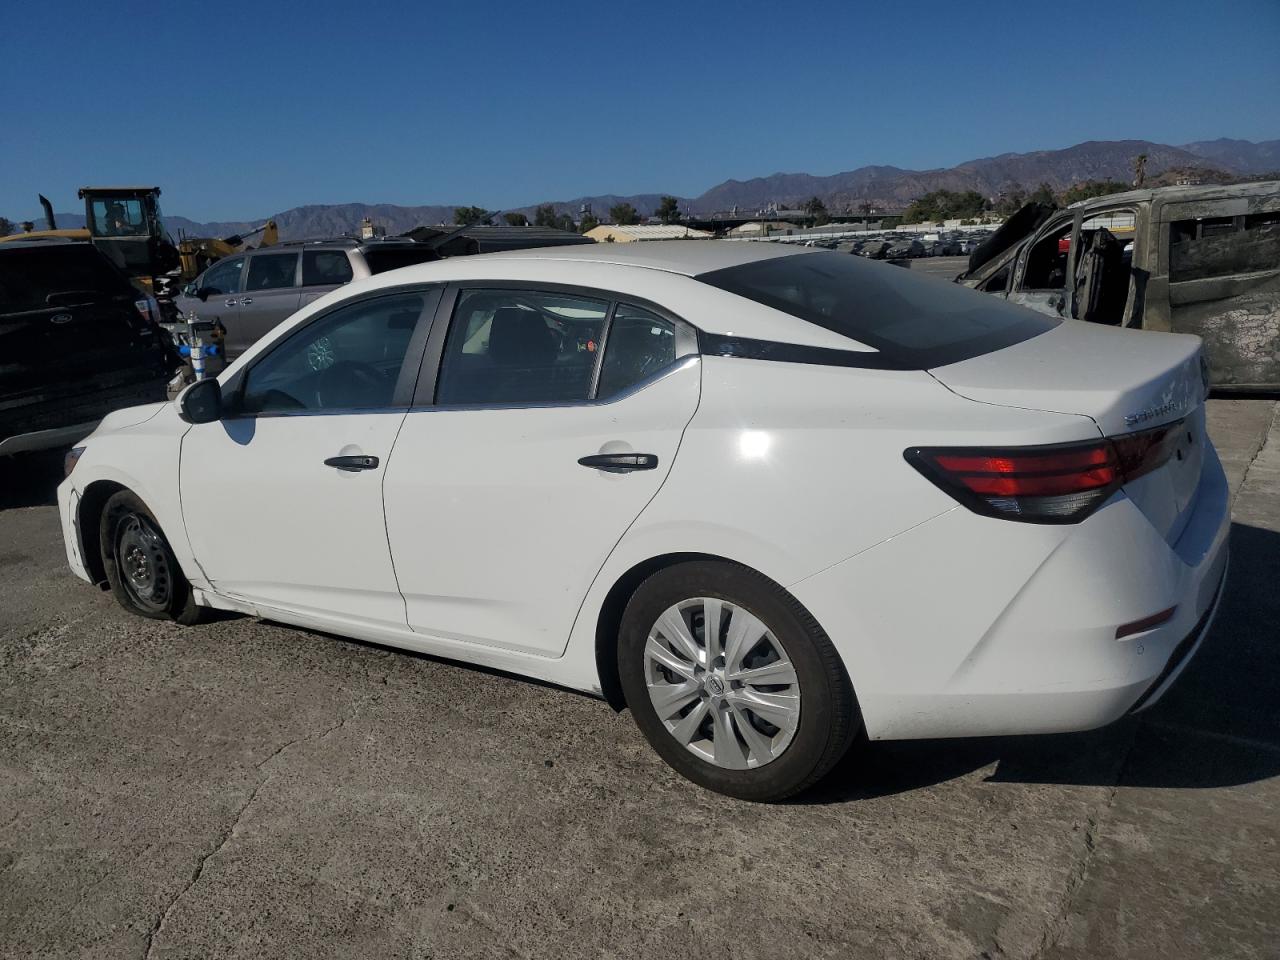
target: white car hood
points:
(130, 416)
(1125, 380)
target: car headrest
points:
(520, 337)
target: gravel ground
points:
(243, 789)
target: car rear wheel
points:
(143, 572)
(733, 682)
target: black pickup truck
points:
(77, 341)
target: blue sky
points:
(241, 110)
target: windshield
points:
(919, 321)
(69, 273)
(117, 217)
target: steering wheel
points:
(345, 378)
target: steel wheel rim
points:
(730, 696)
(143, 564)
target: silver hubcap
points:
(721, 683)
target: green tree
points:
(516, 219)
(669, 210)
(589, 222)
(946, 205)
(545, 216)
(6, 227)
(469, 216)
(1042, 194)
(817, 211)
(565, 222)
(1089, 189)
(624, 214)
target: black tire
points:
(829, 716)
(157, 589)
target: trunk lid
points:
(1126, 381)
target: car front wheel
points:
(733, 682)
(143, 572)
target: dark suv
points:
(251, 293)
(76, 342)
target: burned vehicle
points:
(77, 341)
(1186, 259)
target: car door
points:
(217, 296)
(282, 499)
(525, 459)
(271, 293)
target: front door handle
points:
(352, 464)
(620, 462)
(230, 303)
(245, 301)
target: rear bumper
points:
(971, 626)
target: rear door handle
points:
(245, 301)
(352, 464)
(620, 462)
(230, 303)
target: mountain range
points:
(884, 188)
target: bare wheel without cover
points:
(144, 574)
(733, 682)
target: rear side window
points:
(35, 278)
(913, 321)
(1223, 246)
(325, 268)
(517, 346)
(380, 261)
(272, 271)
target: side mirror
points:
(201, 402)
(203, 294)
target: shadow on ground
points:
(30, 479)
(1218, 726)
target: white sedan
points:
(765, 497)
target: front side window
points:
(639, 345)
(518, 346)
(349, 360)
(272, 271)
(325, 268)
(224, 278)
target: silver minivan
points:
(250, 293)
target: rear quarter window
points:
(913, 320)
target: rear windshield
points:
(36, 278)
(380, 261)
(915, 320)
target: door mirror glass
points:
(201, 402)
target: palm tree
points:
(1139, 169)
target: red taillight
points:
(1054, 484)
